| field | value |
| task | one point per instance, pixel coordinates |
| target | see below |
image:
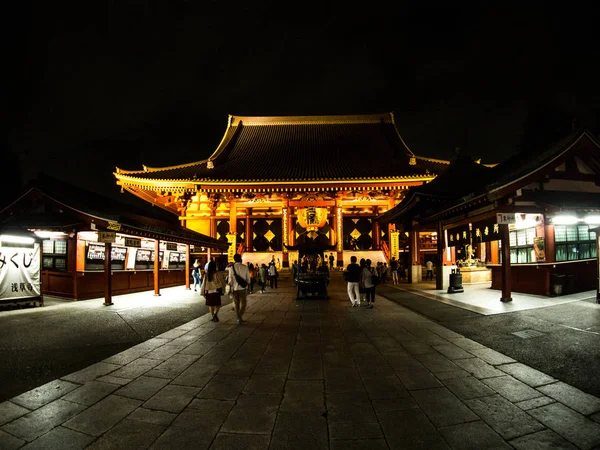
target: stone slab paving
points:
(309, 374)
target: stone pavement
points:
(314, 374)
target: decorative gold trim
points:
(309, 120)
(186, 183)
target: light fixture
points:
(50, 234)
(592, 220)
(527, 221)
(564, 220)
(16, 239)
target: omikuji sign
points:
(20, 272)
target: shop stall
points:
(92, 246)
(20, 261)
(526, 225)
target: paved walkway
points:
(305, 375)
(480, 298)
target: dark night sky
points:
(125, 83)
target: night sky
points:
(125, 83)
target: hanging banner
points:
(486, 230)
(539, 248)
(459, 236)
(394, 244)
(20, 272)
(231, 238)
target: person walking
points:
(252, 271)
(331, 261)
(429, 265)
(272, 275)
(239, 279)
(294, 271)
(394, 270)
(213, 286)
(352, 277)
(196, 275)
(263, 276)
(366, 281)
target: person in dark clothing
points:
(331, 261)
(352, 277)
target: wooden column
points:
(107, 274)
(415, 263)
(333, 228)
(506, 276)
(156, 267)
(285, 231)
(376, 235)
(441, 245)
(291, 230)
(232, 218)
(213, 222)
(72, 261)
(213, 230)
(248, 232)
(187, 266)
(549, 243)
(339, 229)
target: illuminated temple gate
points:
(274, 181)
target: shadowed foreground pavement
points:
(312, 374)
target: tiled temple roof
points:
(463, 181)
(303, 148)
(79, 202)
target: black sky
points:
(126, 83)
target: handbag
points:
(375, 280)
(240, 281)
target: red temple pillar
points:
(248, 232)
(156, 267)
(376, 235)
(441, 245)
(415, 262)
(187, 266)
(506, 276)
(107, 274)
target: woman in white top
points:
(212, 289)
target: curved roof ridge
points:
(410, 152)
(310, 120)
(225, 140)
(425, 158)
(147, 169)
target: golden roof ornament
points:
(210, 165)
(412, 161)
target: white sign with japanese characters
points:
(20, 272)
(505, 218)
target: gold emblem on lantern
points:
(312, 218)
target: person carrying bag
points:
(212, 289)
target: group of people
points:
(239, 277)
(361, 279)
(396, 270)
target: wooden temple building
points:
(90, 246)
(276, 182)
(528, 223)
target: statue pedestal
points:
(472, 275)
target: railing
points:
(386, 251)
